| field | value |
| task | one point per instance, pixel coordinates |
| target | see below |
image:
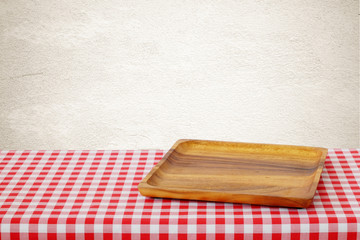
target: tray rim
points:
(144, 187)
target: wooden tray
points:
(266, 174)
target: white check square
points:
(286, 228)
(304, 228)
(79, 228)
(248, 228)
(192, 228)
(210, 228)
(154, 228)
(173, 228)
(42, 228)
(229, 228)
(323, 227)
(116, 228)
(98, 228)
(267, 228)
(5, 228)
(135, 228)
(342, 227)
(61, 228)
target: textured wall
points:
(141, 74)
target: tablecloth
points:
(93, 195)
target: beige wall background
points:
(141, 74)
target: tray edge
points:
(146, 189)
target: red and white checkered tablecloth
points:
(93, 195)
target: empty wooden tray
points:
(266, 174)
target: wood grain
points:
(266, 174)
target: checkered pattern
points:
(93, 195)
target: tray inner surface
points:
(234, 167)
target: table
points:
(93, 195)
